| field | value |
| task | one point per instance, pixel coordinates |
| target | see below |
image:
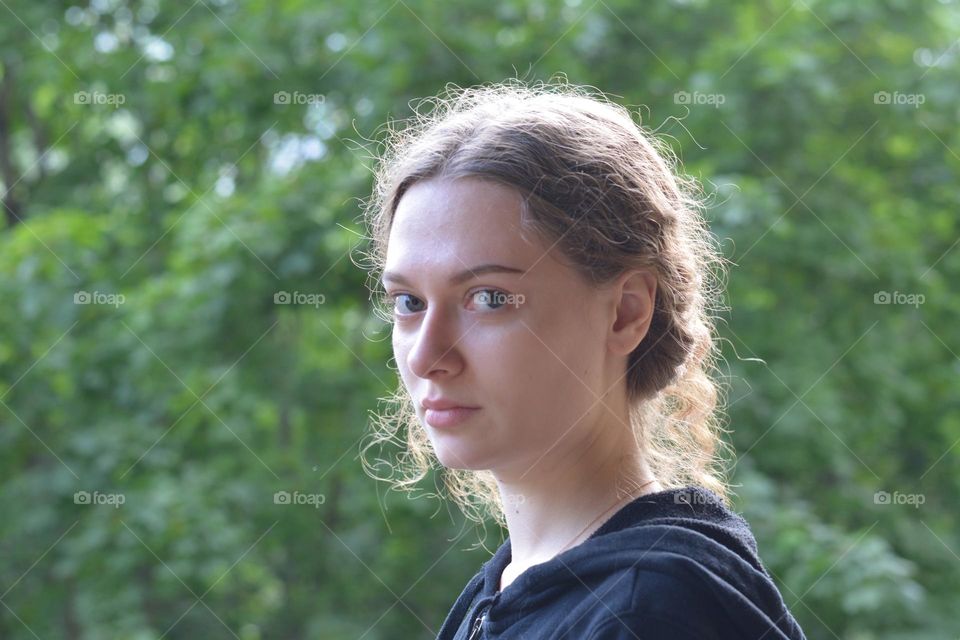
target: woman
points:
(551, 281)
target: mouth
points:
(447, 418)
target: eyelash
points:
(392, 298)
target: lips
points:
(441, 412)
(444, 404)
(446, 418)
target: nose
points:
(434, 349)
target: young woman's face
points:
(526, 348)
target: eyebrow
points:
(459, 278)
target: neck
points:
(581, 485)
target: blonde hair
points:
(605, 191)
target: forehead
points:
(448, 224)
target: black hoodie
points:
(674, 565)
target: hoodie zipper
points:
(478, 624)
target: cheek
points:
(395, 343)
(544, 381)
(400, 351)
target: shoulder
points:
(664, 603)
(633, 625)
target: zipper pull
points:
(474, 634)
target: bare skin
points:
(545, 370)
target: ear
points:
(635, 294)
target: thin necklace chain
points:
(592, 522)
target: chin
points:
(457, 459)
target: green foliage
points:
(182, 165)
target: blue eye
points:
(399, 305)
(495, 299)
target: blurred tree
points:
(185, 329)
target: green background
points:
(146, 152)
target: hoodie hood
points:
(686, 532)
